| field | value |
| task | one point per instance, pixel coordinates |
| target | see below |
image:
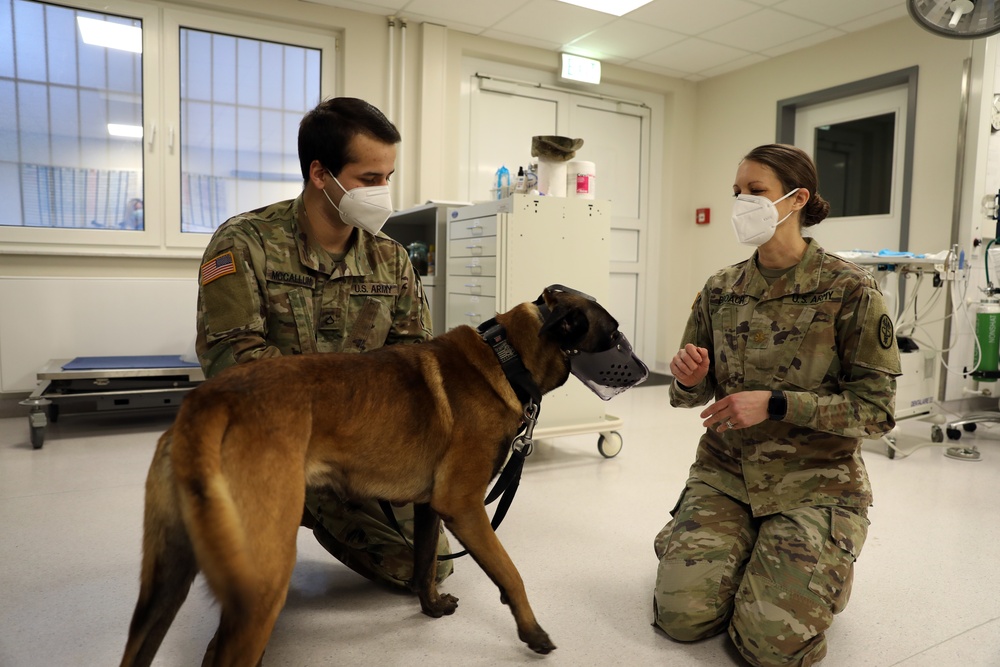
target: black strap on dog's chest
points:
(495, 335)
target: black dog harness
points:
(495, 335)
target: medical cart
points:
(108, 383)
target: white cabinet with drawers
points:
(505, 252)
(426, 224)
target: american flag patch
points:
(216, 268)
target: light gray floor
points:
(927, 589)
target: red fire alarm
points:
(702, 216)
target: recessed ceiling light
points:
(614, 7)
(110, 35)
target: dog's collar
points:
(495, 335)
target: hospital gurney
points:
(108, 383)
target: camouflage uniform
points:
(266, 291)
(764, 538)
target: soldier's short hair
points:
(325, 133)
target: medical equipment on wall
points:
(987, 341)
(903, 278)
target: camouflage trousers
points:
(775, 582)
(360, 537)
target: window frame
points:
(173, 21)
(161, 110)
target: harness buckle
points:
(524, 442)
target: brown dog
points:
(227, 483)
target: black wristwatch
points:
(777, 406)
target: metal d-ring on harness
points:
(527, 391)
(510, 477)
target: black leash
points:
(527, 391)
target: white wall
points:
(67, 317)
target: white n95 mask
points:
(755, 218)
(366, 208)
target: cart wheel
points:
(969, 428)
(609, 444)
(890, 447)
(37, 436)
(37, 421)
(937, 435)
(953, 433)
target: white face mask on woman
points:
(366, 207)
(755, 218)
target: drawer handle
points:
(476, 230)
(475, 288)
(475, 317)
(475, 249)
(475, 269)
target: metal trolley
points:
(108, 383)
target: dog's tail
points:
(210, 512)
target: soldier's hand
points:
(690, 365)
(737, 411)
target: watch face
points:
(777, 406)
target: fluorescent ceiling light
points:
(130, 131)
(110, 35)
(614, 7)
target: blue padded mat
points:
(119, 363)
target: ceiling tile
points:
(656, 69)
(551, 21)
(521, 39)
(368, 6)
(762, 30)
(803, 42)
(734, 65)
(413, 19)
(691, 17)
(626, 39)
(875, 19)
(834, 13)
(694, 55)
(482, 13)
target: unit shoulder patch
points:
(885, 332)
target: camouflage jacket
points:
(822, 335)
(265, 290)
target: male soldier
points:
(313, 274)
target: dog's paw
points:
(444, 605)
(538, 641)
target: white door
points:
(615, 140)
(858, 144)
(503, 117)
